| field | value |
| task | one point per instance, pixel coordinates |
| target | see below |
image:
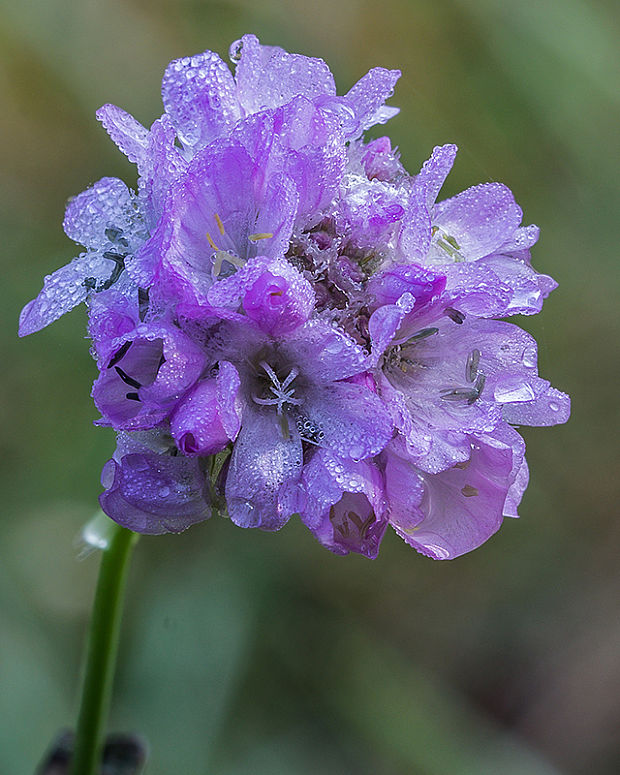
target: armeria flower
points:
(285, 322)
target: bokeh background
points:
(251, 653)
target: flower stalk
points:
(101, 650)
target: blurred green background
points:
(251, 653)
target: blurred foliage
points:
(255, 653)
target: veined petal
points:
(461, 507)
(268, 76)
(264, 464)
(480, 219)
(353, 420)
(200, 95)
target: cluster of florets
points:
(286, 322)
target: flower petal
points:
(263, 466)
(154, 494)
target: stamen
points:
(454, 314)
(132, 396)
(260, 235)
(459, 394)
(479, 386)
(210, 241)
(423, 334)
(470, 395)
(469, 491)
(220, 225)
(471, 367)
(281, 395)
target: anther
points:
(469, 491)
(132, 396)
(471, 367)
(260, 235)
(220, 225)
(423, 334)
(126, 378)
(454, 314)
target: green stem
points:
(101, 651)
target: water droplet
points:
(163, 492)
(554, 407)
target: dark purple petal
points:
(197, 424)
(147, 371)
(154, 493)
(272, 292)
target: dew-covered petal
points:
(352, 419)
(199, 94)
(382, 327)
(422, 283)
(344, 503)
(164, 165)
(154, 493)
(550, 408)
(111, 315)
(303, 143)
(476, 289)
(106, 206)
(461, 507)
(128, 134)
(265, 464)
(519, 475)
(434, 172)
(62, 290)
(367, 98)
(528, 288)
(416, 232)
(328, 352)
(327, 477)
(268, 76)
(480, 219)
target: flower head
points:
(285, 322)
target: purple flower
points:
(285, 322)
